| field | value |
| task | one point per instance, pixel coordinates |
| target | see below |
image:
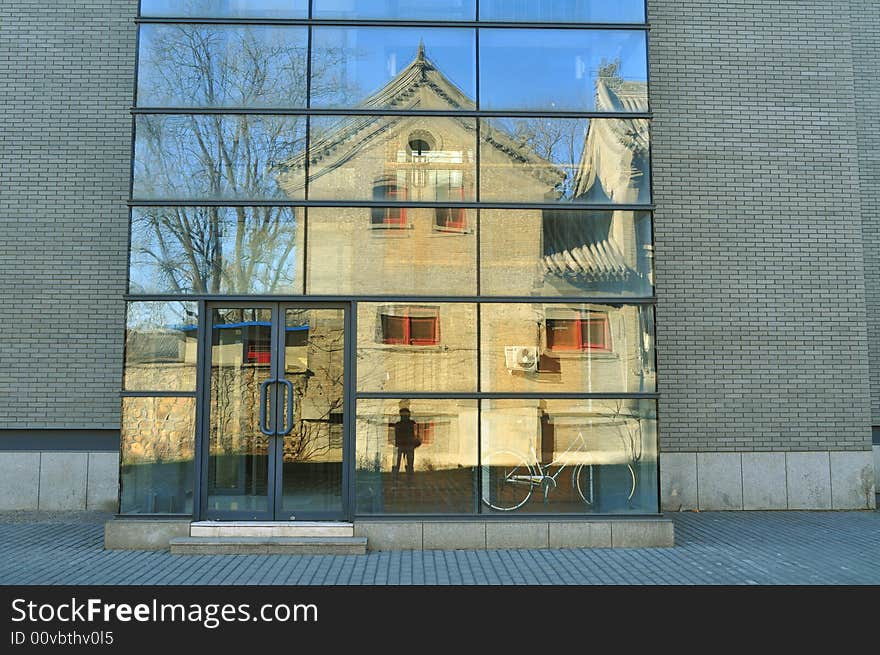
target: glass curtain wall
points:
(472, 175)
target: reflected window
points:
(584, 70)
(414, 348)
(564, 11)
(226, 9)
(423, 155)
(160, 346)
(601, 161)
(394, 68)
(357, 250)
(450, 219)
(413, 327)
(188, 65)
(567, 347)
(416, 456)
(569, 456)
(450, 187)
(235, 157)
(587, 332)
(216, 250)
(157, 446)
(388, 217)
(396, 9)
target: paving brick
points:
(710, 548)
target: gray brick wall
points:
(66, 78)
(762, 339)
(866, 66)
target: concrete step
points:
(269, 546)
(271, 529)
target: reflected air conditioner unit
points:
(521, 358)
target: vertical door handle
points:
(288, 426)
(264, 399)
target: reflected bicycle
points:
(509, 480)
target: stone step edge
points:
(269, 541)
(272, 524)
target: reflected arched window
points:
(388, 217)
(450, 187)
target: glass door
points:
(274, 412)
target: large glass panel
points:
(226, 8)
(395, 9)
(161, 342)
(234, 157)
(216, 250)
(392, 250)
(390, 158)
(394, 68)
(580, 70)
(567, 347)
(563, 252)
(223, 66)
(417, 347)
(416, 456)
(314, 365)
(569, 456)
(238, 449)
(564, 11)
(598, 161)
(157, 451)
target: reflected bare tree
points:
(214, 249)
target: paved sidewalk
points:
(713, 548)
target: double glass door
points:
(275, 412)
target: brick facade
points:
(762, 339)
(67, 75)
(866, 68)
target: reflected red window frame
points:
(398, 329)
(577, 334)
(453, 219)
(425, 432)
(393, 217)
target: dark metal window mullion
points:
(305, 254)
(409, 113)
(350, 452)
(614, 301)
(478, 353)
(344, 204)
(341, 22)
(506, 395)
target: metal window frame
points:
(351, 395)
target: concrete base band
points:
(835, 480)
(155, 534)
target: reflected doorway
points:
(274, 408)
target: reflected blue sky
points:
(582, 11)
(227, 8)
(596, 11)
(403, 9)
(553, 69)
(375, 56)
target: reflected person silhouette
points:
(406, 441)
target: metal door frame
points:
(203, 398)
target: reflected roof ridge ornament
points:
(420, 56)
